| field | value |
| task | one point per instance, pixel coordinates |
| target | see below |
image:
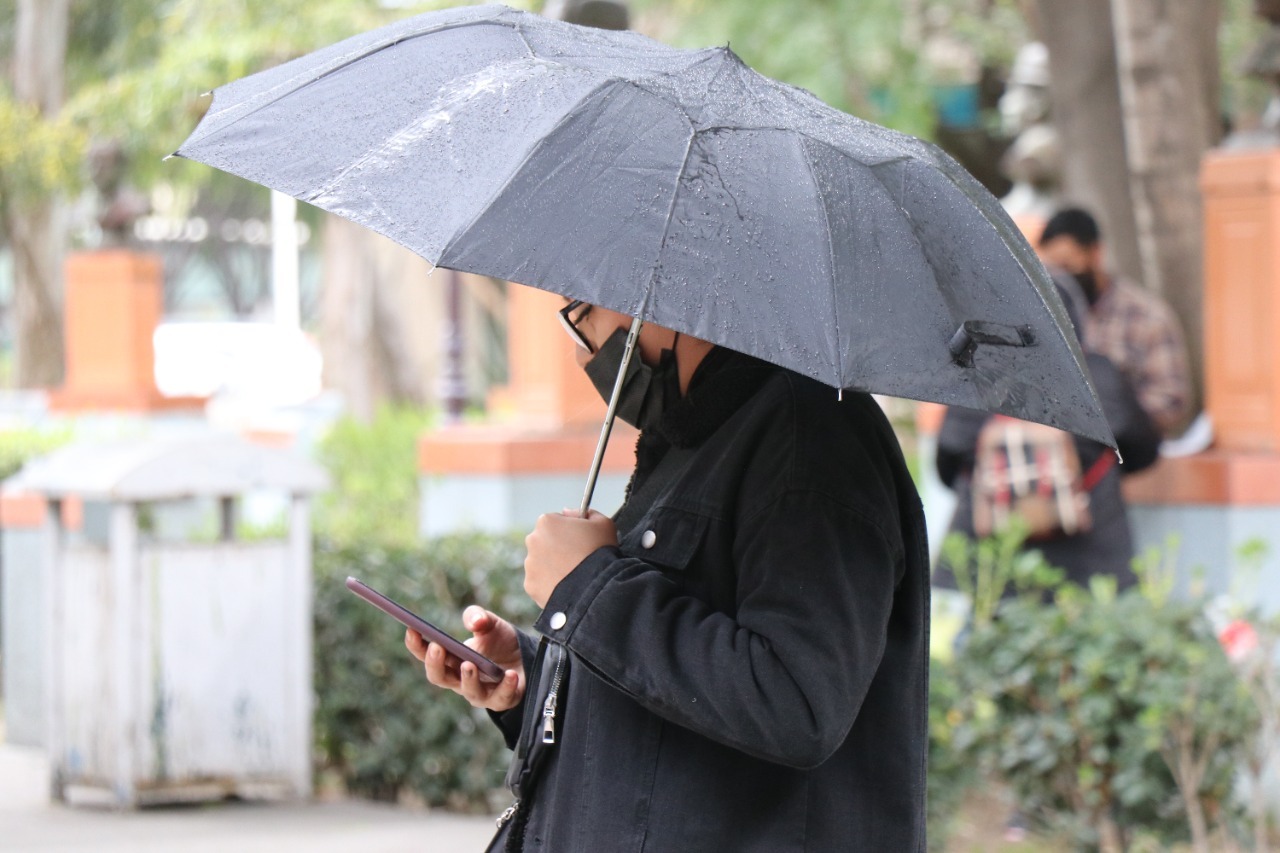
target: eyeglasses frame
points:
(571, 327)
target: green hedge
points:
(1115, 718)
(379, 724)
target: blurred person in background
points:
(1132, 327)
(1101, 543)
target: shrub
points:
(374, 494)
(17, 446)
(951, 772)
(379, 725)
(1108, 714)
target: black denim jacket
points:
(749, 665)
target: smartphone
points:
(488, 670)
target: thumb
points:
(477, 620)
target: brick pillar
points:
(1242, 299)
(114, 301)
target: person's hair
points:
(1074, 222)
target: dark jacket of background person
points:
(753, 676)
(1107, 548)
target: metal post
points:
(298, 620)
(125, 651)
(227, 519)
(607, 427)
(54, 642)
(284, 261)
(454, 380)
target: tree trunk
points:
(379, 320)
(35, 232)
(34, 236)
(1167, 55)
(1085, 95)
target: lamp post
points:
(453, 390)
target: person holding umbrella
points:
(745, 662)
(737, 660)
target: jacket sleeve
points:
(1137, 435)
(783, 678)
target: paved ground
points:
(28, 822)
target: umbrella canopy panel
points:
(677, 186)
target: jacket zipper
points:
(508, 814)
(549, 707)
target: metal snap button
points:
(648, 539)
(558, 619)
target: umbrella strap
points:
(607, 427)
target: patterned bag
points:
(1032, 471)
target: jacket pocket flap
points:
(667, 536)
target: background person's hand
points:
(493, 637)
(558, 543)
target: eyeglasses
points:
(571, 325)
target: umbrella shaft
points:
(607, 427)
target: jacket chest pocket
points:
(667, 537)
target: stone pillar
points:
(114, 301)
(1242, 304)
(1218, 500)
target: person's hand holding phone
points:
(492, 637)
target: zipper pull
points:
(508, 814)
(549, 719)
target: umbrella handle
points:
(607, 427)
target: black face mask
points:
(646, 391)
(1088, 281)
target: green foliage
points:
(374, 494)
(951, 772)
(39, 156)
(17, 446)
(1106, 712)
(985, 569)
(867, 57)
(379, 724)
(1242, 97)
(139, 68)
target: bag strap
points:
(1098, 469)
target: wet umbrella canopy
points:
(679, 187)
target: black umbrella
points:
(678, 187)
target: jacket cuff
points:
(510, 720)
(572, 597)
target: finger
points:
(472, 689)
(438, 668)
(574, 513)
(415, 644)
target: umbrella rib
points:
(671, 208)
(831, 256)
(534, 149)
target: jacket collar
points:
(722, 383)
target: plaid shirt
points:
(1141, 335)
